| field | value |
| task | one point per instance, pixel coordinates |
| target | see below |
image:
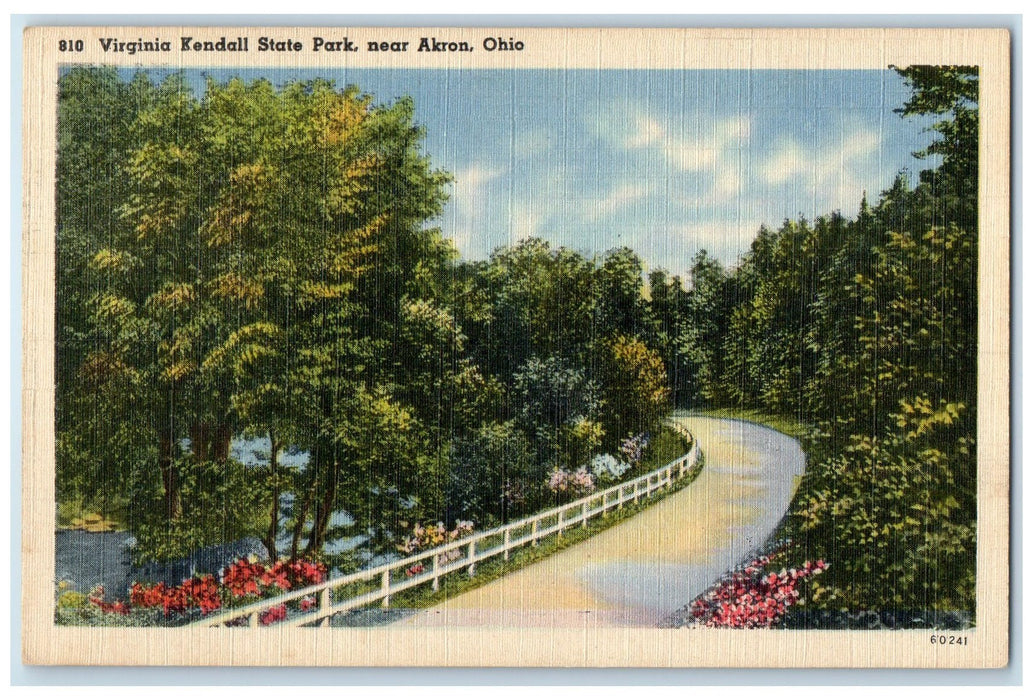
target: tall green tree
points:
(239, 265)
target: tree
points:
(96, 110)
(701, 333)
(634, 387)
(950, 93)
(238, 264)
(544, 303)
(894, 514)
(866, 330)
(493, 475)
(622, 308)
(559, 408)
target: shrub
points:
(72, 600)
(753, 598)
(489, 474)
(220, 500)
(571, 484)
(606, 467)
(243, 581)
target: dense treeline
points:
(256, 263)
(865, 329)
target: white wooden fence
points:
(378, 584)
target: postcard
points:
(453, 346)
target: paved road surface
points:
(641, 571)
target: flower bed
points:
(242, 582)
(753, 597)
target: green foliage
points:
(256, 261)
(865, 329)
(72, 600)
(952, 94)
(494, 476)
(221, 504)
(895, 513)
(634, 385)
(555, 401)
(216, 260)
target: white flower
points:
(607, 465)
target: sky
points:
(666, 162)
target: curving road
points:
(642, 570)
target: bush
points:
(895, 514)
(222, 502)
(242, 582)
(607, 468)
(72, 600)
(754, 597)
(493, 475)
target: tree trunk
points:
(301, 514)
(210, 442)
(324, 509)
(199, 441)
(173, 507)
(221, 442)
(274, 505)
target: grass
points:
(489, 570)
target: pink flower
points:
(753, 598)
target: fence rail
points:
(380, 583)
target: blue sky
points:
(666, 162)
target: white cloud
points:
(470, 201)
(648, 132)
(784, 165)
(473, 179)
(617, 198)
(735, 130)
(714, 142)
(530, 143)
(728, 182)
(819, 179)
(819, 167)
(526, 223)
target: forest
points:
(258, 263)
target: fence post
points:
(584, 514)
(385, 588)
(559, 523)
(324, 606)
(534, 532)
(505, 545)
(636, 492)
(252, 619)
(470, 552)
(435, 584)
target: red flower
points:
(174, 600)
(241, 578)
(203, 592)
(273, 615)
(277, 576)
(143, 597)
